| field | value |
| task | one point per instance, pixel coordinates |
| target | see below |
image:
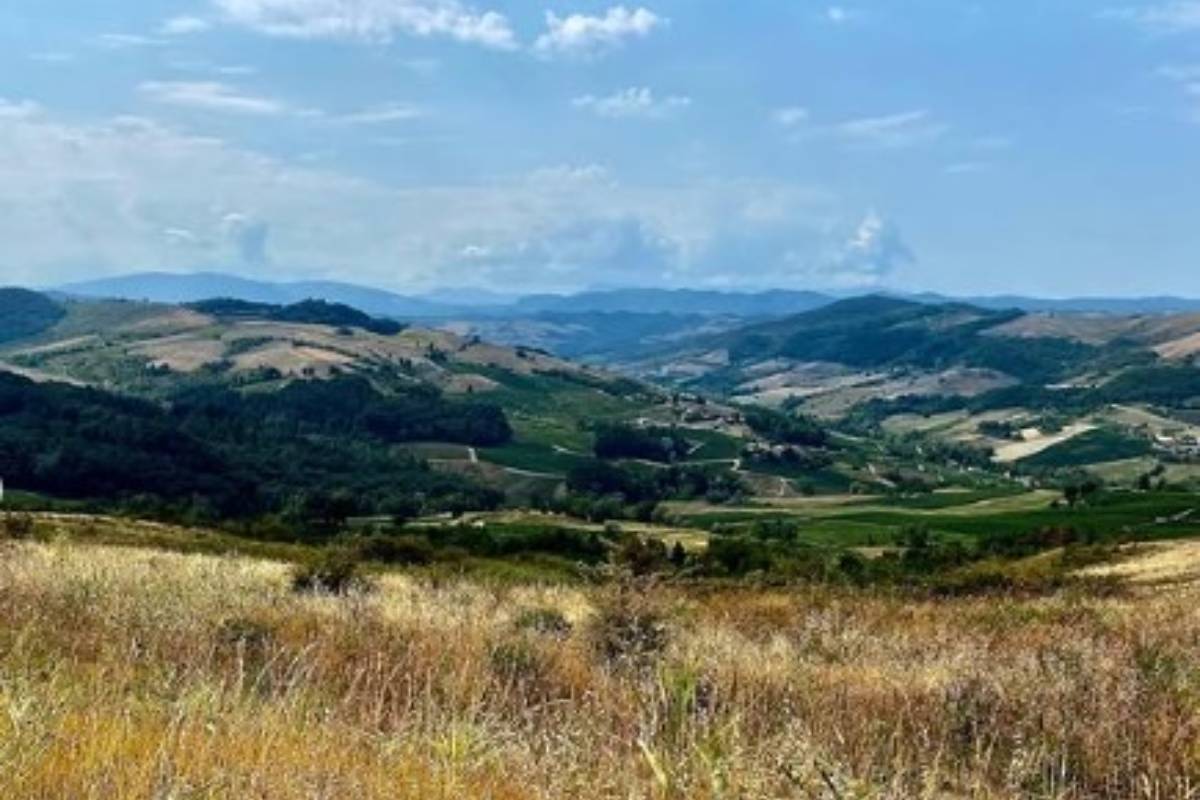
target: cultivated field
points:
(129, 673)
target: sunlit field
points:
(130, 673)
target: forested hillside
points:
(218, 454)
(24, 313)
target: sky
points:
(1032, 147)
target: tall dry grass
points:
(136, 674)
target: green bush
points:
(388, 549)
(629, 629)
(546, 621)
(16, 526)
(334, 571)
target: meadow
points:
(135, 673)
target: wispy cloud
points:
(1187, 78)
(633, 102)
(125, 41)
(891, 131)
(966, 167)
(211, 96)
(790, 116)
(1173, 17)
(382, 114)
(21, 109)
(904, 129)
(583, 35)
(371, 20)
(841, 15)
(181, 26)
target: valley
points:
(288, 506)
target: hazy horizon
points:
(413, 145)
(466, 295)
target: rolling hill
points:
(24, 313)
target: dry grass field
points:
(129, 673)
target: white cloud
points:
(568, 175)
(23, 109)
(180, 26)
(905, 129)
(791, 116)
(1181, 73)
(872, 251)
(125, 41)
(1187, 78)
(889, 132)
(841, 15)
(1180, 16)
(966, 168)
(583, 35)
(633, 102)
(130, 194)
(377, 115)
(210, 96)
(371, 20)
(247, 236)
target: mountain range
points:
(473, 303)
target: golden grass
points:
(138, 674)
(1155, 564)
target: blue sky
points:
(1031, 147)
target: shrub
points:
(736, 556)
(517, 661)
(629, 629)
(642, 555)
(16, 526)
(408, 550)
(335, 571)
(546, 621)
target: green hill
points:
(875, 331)
(24, 314)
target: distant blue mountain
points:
(1123, 306)
(162, 287)
(777, 302)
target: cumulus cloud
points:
(874, 250)
(584, 35)
(371, 20)
(210, 96)
(633, 102)
(248, 238)
(130, 194)
(579, 253)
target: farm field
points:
(958, 514)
